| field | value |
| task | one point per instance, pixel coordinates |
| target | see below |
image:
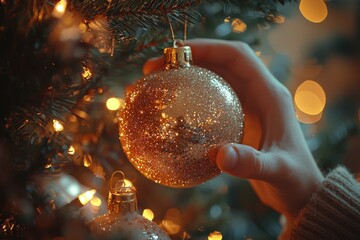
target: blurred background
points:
(64, 80)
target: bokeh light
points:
(113, 104)
(148, 214)
(307, 118)
(215, 236)
(310, 98)
(313, 10)
(170, 227)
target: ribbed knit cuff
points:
(333, 211)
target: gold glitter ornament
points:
(174, 121)
(122, 221)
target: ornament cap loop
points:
(122, 195)
(176, 57)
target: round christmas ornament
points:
(122, 221)
(174, 121)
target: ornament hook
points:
(168, 18)
(172, 29)
(178, 43)
(112, 179)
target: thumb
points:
(152, 65)
(243, 161)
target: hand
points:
(273, 154)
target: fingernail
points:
(229, 158)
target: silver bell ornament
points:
(122, 220)
(175, 120)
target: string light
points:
(86, 73)
(87, 98)
(148, 214)
(86, 196)
(238, 25)
(95, 201)
(113, 104)
(71, 150)
(59, 9)
(313, 10)
(215, 236)
(87, 160)
(58, 127)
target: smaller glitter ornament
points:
(175, 120)
(122, 220)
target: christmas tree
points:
(65, 67)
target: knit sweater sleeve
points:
(333, 211)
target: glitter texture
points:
(128, 226)
(174, 121)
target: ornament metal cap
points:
(122, 197)
(177, 56)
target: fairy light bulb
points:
(86, 196)
(86, 73)
(58, 127)
(71, 150)
(215, 236)
(113, 104)
(59, 9)
(148, 214)
(238, 25)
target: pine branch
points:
(120, 9)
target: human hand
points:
(273, 154)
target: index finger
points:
(237, 63)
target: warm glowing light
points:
(87, 98)
(95, 201)
(307, 118)
(59, 9)
(86, 73)
(72, 118)
(148, 214)
(86, 196)
(58, 127)
(87, 160)
(310, 98)
(71, 150)
(113, 103)
(227, 19)
(170, 227)
(48, 165)
(238, 26)
(313, 10)
(215, 236)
